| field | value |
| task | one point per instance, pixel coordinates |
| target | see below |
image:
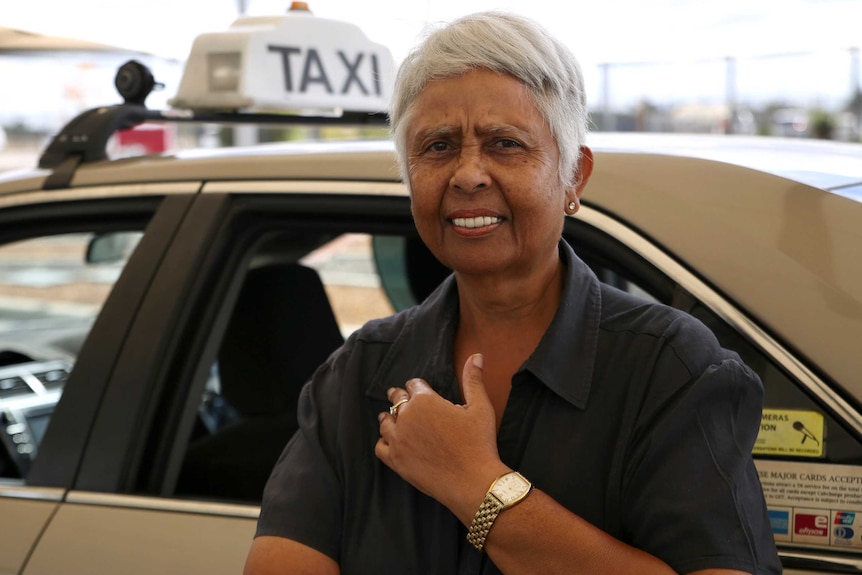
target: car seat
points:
(281, 330)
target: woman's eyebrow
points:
(500, 129)
(435, 133)
(444, 132)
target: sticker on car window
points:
(813, 503)
(791, 432)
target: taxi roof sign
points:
(296, 63)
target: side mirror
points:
(112, 248)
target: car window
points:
(51, 289)
(825, 440)
(347, 268)
(291, 312)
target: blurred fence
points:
(740, 93)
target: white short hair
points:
(507, 44)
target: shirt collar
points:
(563, 361)
(565, 357)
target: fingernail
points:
(477, 360)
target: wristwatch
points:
(507, 490)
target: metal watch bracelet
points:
(483, 520)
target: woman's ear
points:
(585, 170)
(582, 176)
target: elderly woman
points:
(629, 427)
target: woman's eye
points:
(438, 147)
(507, 143)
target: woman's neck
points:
(504, 320)
(492, 303)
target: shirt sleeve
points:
(303, 498)
(692, 495)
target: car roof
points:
(825, 164)
(780, 247)
(828, 165)
(367, 160)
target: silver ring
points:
(393, 410)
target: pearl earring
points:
(572, 206)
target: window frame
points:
(138, 444)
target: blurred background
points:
(789, 68)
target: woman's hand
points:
(447, 451)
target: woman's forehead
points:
(479, 100)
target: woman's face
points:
(486, 193)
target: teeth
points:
(476, 222)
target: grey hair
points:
(503, 43)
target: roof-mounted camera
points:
(134, 82)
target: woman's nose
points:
(471, 173)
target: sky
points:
(656, 51)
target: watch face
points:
(510, 487)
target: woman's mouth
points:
(477, 222)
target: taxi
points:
(159, 313)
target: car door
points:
(61, 310)
(138, 502)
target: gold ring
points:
(393, 411)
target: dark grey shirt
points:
(628, 413)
